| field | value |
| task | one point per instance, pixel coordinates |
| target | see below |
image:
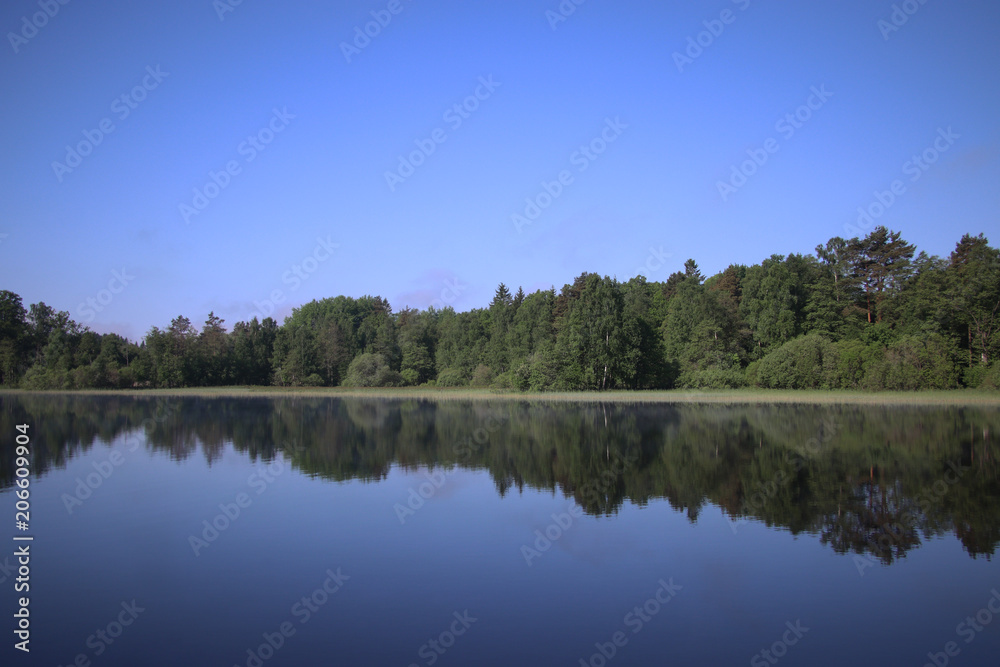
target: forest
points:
(862, 313)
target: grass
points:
(958, 397)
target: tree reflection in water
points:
(874, 480)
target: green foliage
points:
(14, 337)
(974, 276)
(844, 367)
(798, 364)
(813, 362)
(461, 341)
(881, 266)
(369, 370)
(596, 342)
(702, 332)
(712, 378)
(416, 340)
(772, 302)
(983, 377)
(914, 363)
(452, 377)
(481, 377)
(862, 313)
(252, 349)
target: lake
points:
(361, 531)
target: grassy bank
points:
(958, 397)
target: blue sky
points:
(313, 214)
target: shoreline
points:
(953, 397)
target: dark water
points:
(302, 531)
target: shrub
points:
(504, 381)
(452, 377)
(516, 379)
(371, 370)
(410, 376)
(844, 366)
(312, 380)
(712, 378)
(542, 371)
(41, 378)
(798, 364)
(913, 363)
(983, 377)
(482, 376)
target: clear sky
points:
(309, 115)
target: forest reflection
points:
(864, 479)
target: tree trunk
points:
(969, 328)
(607, 347)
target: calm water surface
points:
(304, 531)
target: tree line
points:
(861, 313)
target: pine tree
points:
(975, 280)
(882, 264)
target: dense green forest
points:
(862, 313)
